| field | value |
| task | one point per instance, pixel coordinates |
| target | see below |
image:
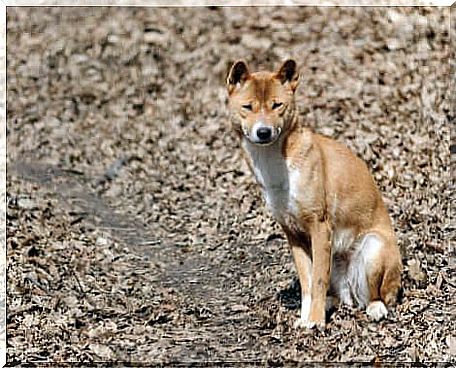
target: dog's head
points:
(262, 103)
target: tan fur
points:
(322, 195)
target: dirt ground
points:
(135, 232)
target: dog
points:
(323, 196)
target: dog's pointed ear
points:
(238, 74)
(288, 73)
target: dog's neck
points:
(271, 172)
(265, 157)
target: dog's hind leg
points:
(374, 274)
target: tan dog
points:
(322, 195)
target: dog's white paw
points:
(376, 310)
(303, 323)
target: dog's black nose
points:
(264, 133)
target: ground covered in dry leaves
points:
(135, 231)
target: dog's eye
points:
(276, 105)
(247, 107)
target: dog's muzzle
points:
(262, 134)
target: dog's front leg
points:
(303, 263)
(321, 269)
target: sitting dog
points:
(322, 195)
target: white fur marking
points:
(271, 173)
(361, 262)
(342, 240)
(306, 300)
(344, 291)
(294, 180)
(350, 264)
(300, 323)
(376, 310)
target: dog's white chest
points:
(278, 180)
